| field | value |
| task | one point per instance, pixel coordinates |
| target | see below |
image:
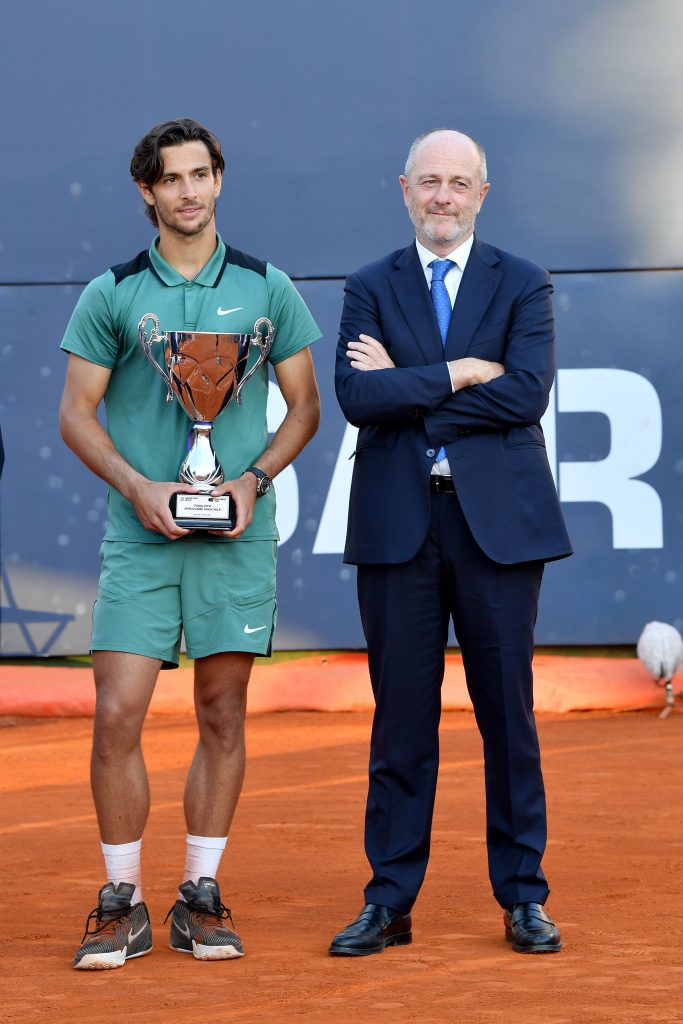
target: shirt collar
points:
(207, 276)
(459, 255)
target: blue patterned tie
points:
(442, 307)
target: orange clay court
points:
(294, 869)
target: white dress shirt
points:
(454, 276)
(452, 280)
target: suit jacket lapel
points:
(410, 287)
(479, 283)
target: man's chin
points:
(451, 239)
(190, 229)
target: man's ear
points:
(404, 187)
(146, 193)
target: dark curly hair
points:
(147, 166)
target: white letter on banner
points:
(632, 407)
(332, 530)
(548, 425)
(287, 486)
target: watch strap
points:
(260, 478)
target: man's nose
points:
(442, 194)
(188, 188)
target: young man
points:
(158, 579)
(445, 362)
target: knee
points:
(221, 721)
(117, 727)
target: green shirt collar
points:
(209, 275)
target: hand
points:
(470, 370)
(243, 492)
(150, 500)
(368, 354)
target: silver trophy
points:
(204, 371)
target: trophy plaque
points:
(205, 372)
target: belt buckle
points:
(442, 484)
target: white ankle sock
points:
(203, 857)
(122, 861)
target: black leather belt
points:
(442, 484)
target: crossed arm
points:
(469, 392)
(369, 354)
(84, 389)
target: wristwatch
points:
(262, 480)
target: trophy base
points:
(202, 512)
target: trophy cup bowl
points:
(205, 372)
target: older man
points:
(445, 363)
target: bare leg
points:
(215, 778)
(124, 683)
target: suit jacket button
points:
(430, 453)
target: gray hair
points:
(410, 159)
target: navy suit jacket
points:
(491, 432)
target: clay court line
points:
(347, 780)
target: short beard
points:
(464, 228)
(189, 230)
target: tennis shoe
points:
(115, 931)
(197, 924)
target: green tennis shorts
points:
(221, 594)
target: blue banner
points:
(612, 429)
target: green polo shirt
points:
(150, 433)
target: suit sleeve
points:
(520, 396)
(381, 396)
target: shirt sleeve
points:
(295, 328)
(91, 331)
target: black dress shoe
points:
(530, 930)
(374, 928)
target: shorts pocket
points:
(253, 600)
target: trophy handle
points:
(147, 343)
(264, 343)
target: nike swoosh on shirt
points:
(224, 312)
(254, 629)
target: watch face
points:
(262, 480)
